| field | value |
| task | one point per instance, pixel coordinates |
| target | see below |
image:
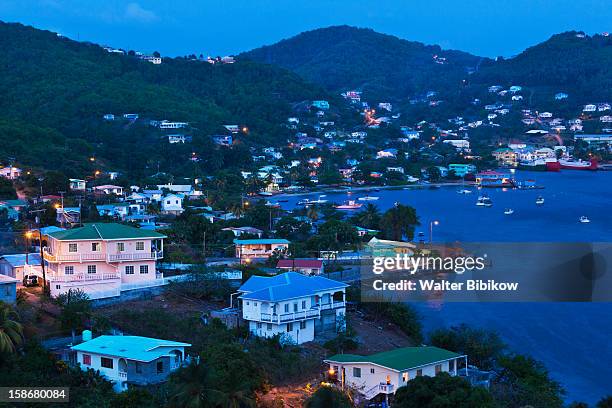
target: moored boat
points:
(484, 201)
(349, 205)
(368, 198)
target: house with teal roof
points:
(384, 373)
(130, 360)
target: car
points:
(30, 280)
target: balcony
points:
(84, 277)
(333, 305)
(88, 257)
(382, 388)
(290, 317)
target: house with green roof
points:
(102, 259)
(384, 373)
(126, 360)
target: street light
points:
(431, 225)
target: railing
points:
(84, 277)
(122, 374)
(289, 317)
(153, 255)
(332, 305)
(383, 388)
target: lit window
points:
(129, 270)
(144, 269)
(91, 268)
(405, 377)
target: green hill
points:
(383, 66)
(55, 92)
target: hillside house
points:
(127, 360)
(18, 266)
(8, 289)
(102, 259)
(249, 249)
(384, 373)
(109, 189)
(172, 204)
(10, 172)
(297, 307)
(304, 266)
(77, 184)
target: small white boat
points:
(509, 211)
(368, 198)
(349, 205)
(265, 193)
(484, 201)
(272, 204)
(307, 202)
(464, 191)
(584, 219)
(540, 200)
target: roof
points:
(138, 348)
(285, 286)
(104, 231)
(299, 263)
(17, 260)
(263, 241)
(7, 279)
(399, 359)
(376, 242)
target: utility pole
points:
(62, 207)
(40, 246)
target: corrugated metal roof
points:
(285, 286)
(399, 359)
(130, 347)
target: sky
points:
(215, 27)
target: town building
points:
(303, 266)
(248, 249)
(8, 289)
(294, 306)
(10, 172)
(77, 184)
(102, 259)
(19, 266)
(172, 204)
(461, 170)
(109, 189)
(127, 360)
(384, 373)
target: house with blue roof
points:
(294, 306)
(18, 266)
(125, 360)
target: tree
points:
(482, 346)
(605, 402)
(442, 391)
(192, 386)
(524, 381)
(399, 222)
(7, 191)
(11, 331)
(434, 173)
(328, 397)
(369, 217)
(75, 309)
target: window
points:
(303, 325)
(303, 304)
(91, 268)
(247, 303)
(259, 325)
(140, 246)
(138, 367)
(106, 362)
(295, 307)
(129, 270)
(87, 359)
(68, 270)
(405, 377)
(95, 247)
(289, 327)
(371, 371)
(144, 269)
(58, 287)
(72, 247)
(356, 372)
(286, 307)
(438, 368)
(120, 246)
(160, 367)
(419, 373)
(451, 365)
(269, 326)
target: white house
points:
(10, 172)
(109, 189)
(384, 373)
(172, 204)
(77, 184)
(294, 306)
(459, 144)
(127, 360)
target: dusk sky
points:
(216, 27)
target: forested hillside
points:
(55, 92)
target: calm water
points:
(573, 340)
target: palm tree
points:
(369, 217)
(191, 387)
(399, 222)
(11, 332)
